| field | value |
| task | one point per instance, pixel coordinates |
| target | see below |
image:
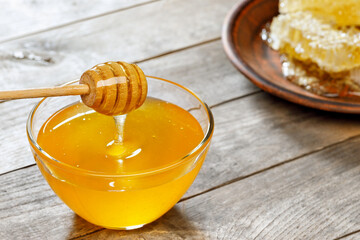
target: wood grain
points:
(260, 131)
(264, 132)
(275, 170)
(63, 54)
(351, 236)
(13, 140)
(315, 197)
(215, 80)
(204, 69)
(30, 210)
(21, 17)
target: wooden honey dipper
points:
(111, 88)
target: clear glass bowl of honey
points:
(164, 145)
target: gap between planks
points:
(77, 21)
(270, 167)
(346, 235)
(243, 177)
(17, 169)
(213, 106)
(254, 174)
(166, 54)
(236, 98)
(179, 50)
(87, 234)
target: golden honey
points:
(341, 12)
(320, 46)
(306, 37)
(120, 185)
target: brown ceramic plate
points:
(251, 56)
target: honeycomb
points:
(309, 38)
(342, 13)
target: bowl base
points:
(125, 228)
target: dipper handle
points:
(45, 92)
(111, 88)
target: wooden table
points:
(275, 170)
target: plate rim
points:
(266, 85)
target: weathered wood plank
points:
(266, 131)
(251, 134)
(139, 33)
(315, 197)
(353, 236)
(13, 140)
(260, 131)
(204, 69)
(20, 17)
(28, 206)
(214, 79)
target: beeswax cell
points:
(307, 38)
(339, 12)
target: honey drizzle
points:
(117, 148)
(119, 123)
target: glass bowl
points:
(123, 201)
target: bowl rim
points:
(183, 160)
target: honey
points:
(121, 184)
(343, 13)
(320, 55)
(306, 37)
(310, 77)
